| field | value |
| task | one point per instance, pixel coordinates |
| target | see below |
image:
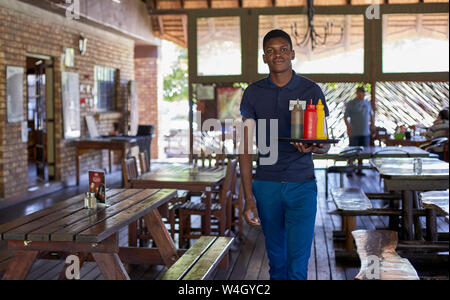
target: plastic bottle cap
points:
(319, 104)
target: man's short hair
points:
(361, 89)
(274, 34)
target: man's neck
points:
(281, 79)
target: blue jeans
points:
(287, 211)
(362, 140)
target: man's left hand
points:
(305, 148)
(320, 149)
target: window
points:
(343, 52)
(105, 84)
(219, 46)
(415, 43)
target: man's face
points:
(278, 55)
(360, 95)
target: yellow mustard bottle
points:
(321, 128)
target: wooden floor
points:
(248, 259)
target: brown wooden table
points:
(415, 141)
(69, 228)
(180, 177)
(118, 144)
(399, 175)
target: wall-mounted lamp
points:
(83, 44)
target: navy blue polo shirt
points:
(264, 100)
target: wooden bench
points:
(350, 202)
(379, 260)
(434, 203)
(199, 261)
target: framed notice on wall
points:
(228, 103)
(14, 94)
(71, 104)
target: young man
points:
(286, 191)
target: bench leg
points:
(350, 225)
(20, 265)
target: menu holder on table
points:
(97, 185)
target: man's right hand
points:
(251, 213)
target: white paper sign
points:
(24, 132)
(14, 94)
(71, 104)
(205, 92)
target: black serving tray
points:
(308, 141)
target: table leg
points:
(110, 266)
(77, 164)
(123, 154)
(20, 264)
(418, 232)
(133, 234)
(162, 238)
(407, 215)
(431, 225)
(110, 158)
(207, 200)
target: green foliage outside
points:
(176, 84)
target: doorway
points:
(40, 120)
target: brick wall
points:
(47, 34)
(145, 73)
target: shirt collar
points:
(291, 85)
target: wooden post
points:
(407, 215)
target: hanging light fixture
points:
(311, 35)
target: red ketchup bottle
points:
(310, 120)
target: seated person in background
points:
(438, 130)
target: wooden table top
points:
(183, 174)
(69, 221)
(102, 141)
(374, 151)
(403, 168)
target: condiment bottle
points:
(92, 201)
(321, 128)
(310, 122)
(297, 121)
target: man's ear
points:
(264, 58)
(292, 55)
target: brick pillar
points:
(146, 76)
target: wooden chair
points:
(144, 162)
(129, 171)
(220, 210)
(237, 208)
